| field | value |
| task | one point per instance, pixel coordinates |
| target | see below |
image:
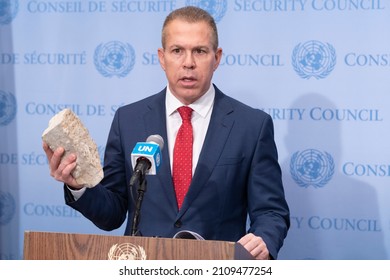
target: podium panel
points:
(70, 246)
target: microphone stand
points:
(136, 217)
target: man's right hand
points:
(61, 171)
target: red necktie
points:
(182, 155)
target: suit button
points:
(178, 224)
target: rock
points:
(66, 130)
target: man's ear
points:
(160, 53)
(218, 57)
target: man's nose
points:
(189, 61)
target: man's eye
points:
(200, 51)
(176, 50)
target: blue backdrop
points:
(320, 68)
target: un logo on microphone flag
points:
(150, 151)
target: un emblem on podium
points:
(126, 251)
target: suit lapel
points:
(155, 123)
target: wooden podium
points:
(68, 246)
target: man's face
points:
(188, 59)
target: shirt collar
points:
(202, 106)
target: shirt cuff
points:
(76, 193)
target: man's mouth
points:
(188, 79)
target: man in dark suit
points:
(235, 170)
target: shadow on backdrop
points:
(333, 216)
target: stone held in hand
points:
(66, 130)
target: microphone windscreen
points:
(155, 138)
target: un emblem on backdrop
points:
(7, 207)
(311, 168)
(114, 59)
(8, 10)
(216, 8)
(314, 59)
(7, 107)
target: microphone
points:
(146, 157)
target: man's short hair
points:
(191, 14)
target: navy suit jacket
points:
(237, 175)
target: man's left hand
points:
(256, 246)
